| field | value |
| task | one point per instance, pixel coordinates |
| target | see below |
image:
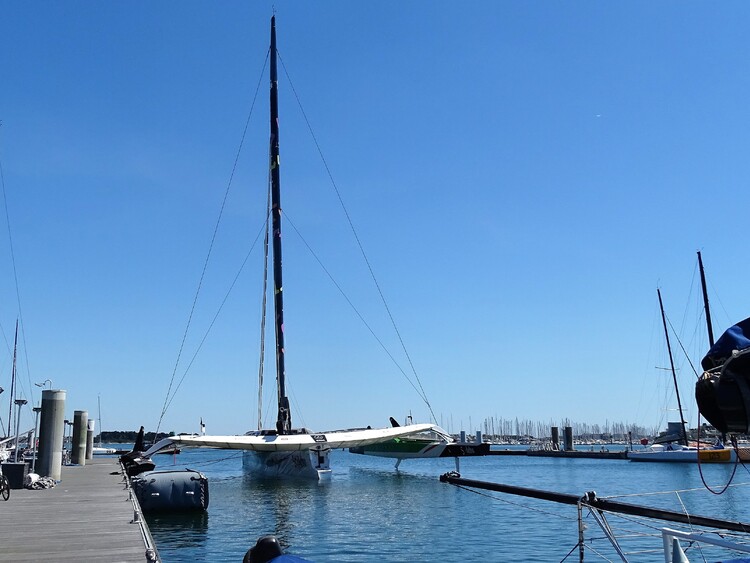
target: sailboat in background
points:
(99, 449)
(673, 446)
(285, 450)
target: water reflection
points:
(276, 504)
(180, 531)
(370, 512)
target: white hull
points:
(683, 454)
(291, 442)
(301, 455)
(432, 450)
(309, 464)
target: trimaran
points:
(288, 451)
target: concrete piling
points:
(568, 438)
(51, 432)
(80, 423)
(90, 439)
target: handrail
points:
(152, 554)
(668, 534)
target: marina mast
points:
(674, 373)
(705, 302)
(284, 419)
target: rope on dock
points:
(39, 483)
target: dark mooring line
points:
(592, 501)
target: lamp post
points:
(19, 403)
(44, 383)
(36, 410)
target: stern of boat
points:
(313, 463)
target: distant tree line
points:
(128, 437)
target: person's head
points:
(265, 549)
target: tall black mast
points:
(705, 302)
(284, 420)
(671, 363)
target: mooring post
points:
(568, 438)
(90, 438)
(80, 423)
(51, 433)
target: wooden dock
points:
(89, 516)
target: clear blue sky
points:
(522, 176)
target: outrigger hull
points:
(407, 448)
(429, 444)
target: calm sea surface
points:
(369, 512)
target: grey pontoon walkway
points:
(86, 517)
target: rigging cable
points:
(264, 305)
(420, 392)
(15, 279)
(168, 398)
(534, 509)
(737, 461)
(423, 395)
(677, 336)
(215, 317)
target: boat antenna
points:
(705, 301)
(284, 419)
(671, 363)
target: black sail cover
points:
(736, 337)
(723, 396)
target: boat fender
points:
(173, 491)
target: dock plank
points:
(88, 516)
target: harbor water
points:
(370, 512)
